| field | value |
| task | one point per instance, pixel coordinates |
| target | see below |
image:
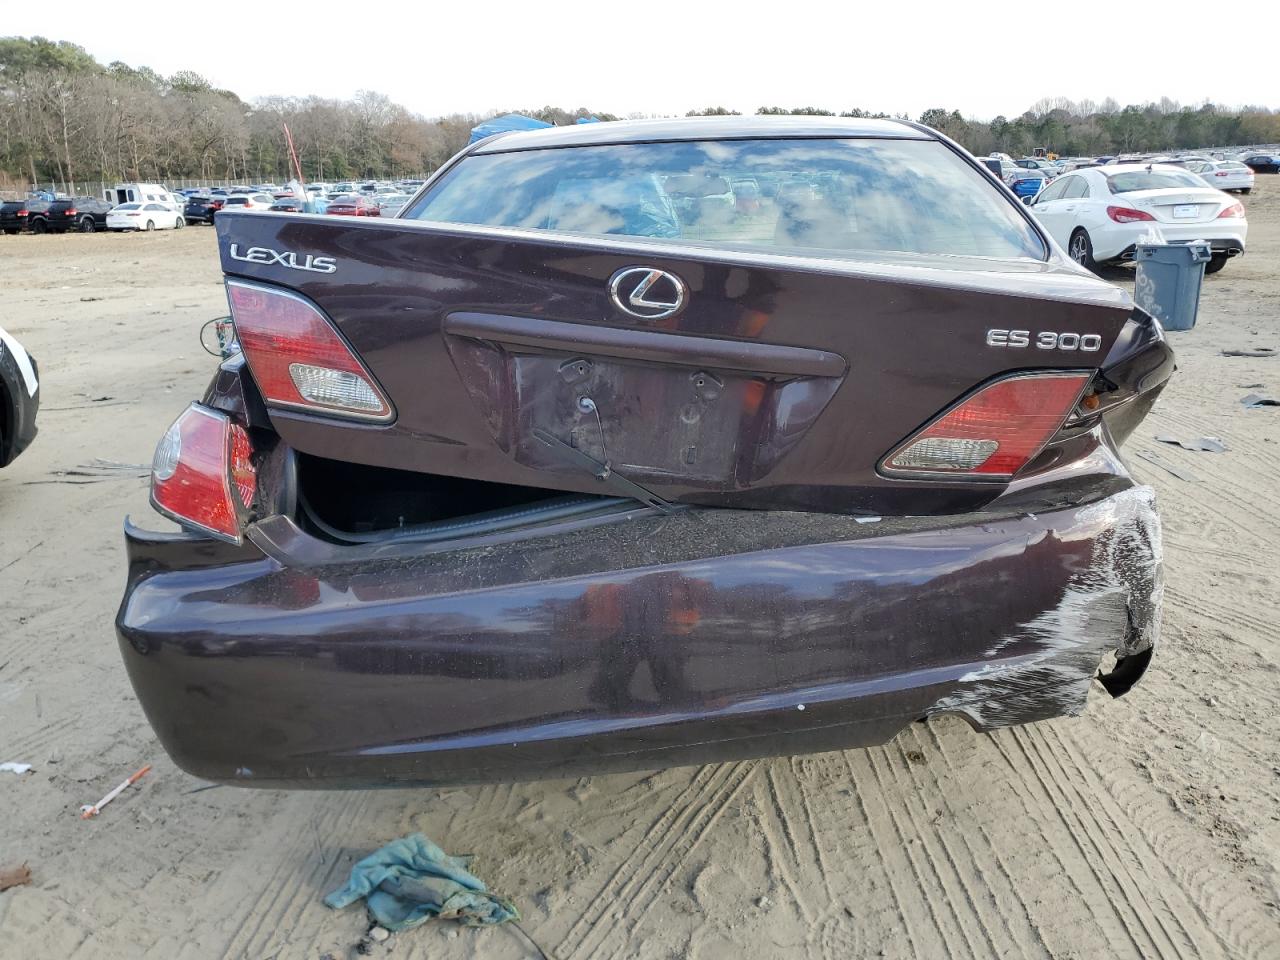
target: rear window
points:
(1133, 180)
(129, 206)
(236, 202)
(843, 196)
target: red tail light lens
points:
(297, 357)
(203, 474)
(1235, 210)
(21, 213)
(996, 431)
(1127, 214)
(72, 212)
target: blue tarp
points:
(512, 121)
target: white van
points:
(141, 193)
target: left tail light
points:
(297, 356)
(993, 433)
(203, 475)
(1128, 215)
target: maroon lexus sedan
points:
(577, 466)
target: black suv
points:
(85, 214)
(201, 209)
(17, 214)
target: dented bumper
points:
(646, 641)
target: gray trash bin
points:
(1168, 283)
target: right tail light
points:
(298, 358)
(993, 433)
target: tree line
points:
(65, 117)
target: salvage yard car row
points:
(140, 206)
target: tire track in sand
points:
(650, 866)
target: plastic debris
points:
(93, 810)
(18, 876)
(19, 768)
(411, 880)
(1207, 444)
(1254, 400)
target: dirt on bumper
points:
(656, 641)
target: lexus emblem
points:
(648, 293)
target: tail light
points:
(71, 212)
(996, 431)
(21, 213)
(203, 475)
(298, 358)
(1127, 214)
(1235, 210)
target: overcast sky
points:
(982, 58)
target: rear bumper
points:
(654, 641)
(1222, 236)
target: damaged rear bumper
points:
(644, 642)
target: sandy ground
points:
(1148, 828)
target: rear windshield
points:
(236, 201)
(1133, 180)
(843, 196)
(129, 206)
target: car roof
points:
(698, 128)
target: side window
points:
(1055, 190)
(1078, 187)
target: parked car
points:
(145, 216)
(1026, 182)
(1263, 163)
(1224, 174)
(663, 502)
(354, 205)
(19, 398)
(1100, 213)
(248, 201)
(85, 214)
(1048, 167)
(16, 215)
(200, 209)
(389, 204)
(286, 205)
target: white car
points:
(389, 204)
(1224, 174)
(145, 216)
(248, 201)
(1099, 213)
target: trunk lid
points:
(1178, 205)
(782, 383)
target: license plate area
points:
(687, 419)
(1186, 211)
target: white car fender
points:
(21, 359)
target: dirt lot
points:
(1150, 827)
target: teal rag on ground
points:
(411, 881)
